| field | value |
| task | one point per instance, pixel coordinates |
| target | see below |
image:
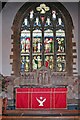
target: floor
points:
(58, 114)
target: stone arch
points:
(16, 35)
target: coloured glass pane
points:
(27, 63)
(37, 22)
(37, 62)
(31, 14)
(43, 40)
(37, 41)
(60, 33)
(42, 8)
(60, 44)
(25, 41)
(24, 63)
(53, 14)
(48, 22)
(25, 50)
(48, 41)
(60, 41)
(26, 23)
(49, 61)
(60, 22)
(61, 63)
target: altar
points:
(41, 98)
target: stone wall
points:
(33, 79)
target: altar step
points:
(58, 114)
(41, 118)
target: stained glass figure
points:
(22, 63)
(27, 64)
(27, 45)
(48, 41)
(37, 62)
(61, 63)
(25, 41)
(60, 45)
(60, 40)
(23, 45)
(49, 61)
(37, 41)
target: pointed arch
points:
(16, 28)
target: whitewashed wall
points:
(8, 14)
(0, 38)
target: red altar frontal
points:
(41, 98)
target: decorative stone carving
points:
(43, 76)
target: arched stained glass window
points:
(43, 39)
(42, 36)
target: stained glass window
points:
(25, 50)
(37, 49)
(43, 39)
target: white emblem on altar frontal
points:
(41, 101)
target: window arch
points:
(42, 36)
